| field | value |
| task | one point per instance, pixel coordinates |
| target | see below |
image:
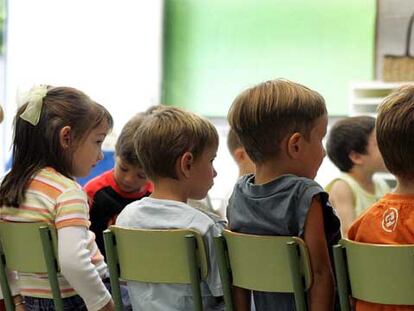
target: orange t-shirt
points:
(389, 221)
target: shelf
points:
(365, 96)
(369, 101)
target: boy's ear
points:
(294, 145)
(239, 154)
(186, 162)
(65, 136)
(355, 157)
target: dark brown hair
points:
(347, 135)
(35, 147)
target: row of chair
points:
(374, 273)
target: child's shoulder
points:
(159, 213)
(100, 181)
(205, 222)
(288, 182)
(50, 183)
(50, 176)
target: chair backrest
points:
(29, 248)
(375, 273)
(157, 256)
(266, 263)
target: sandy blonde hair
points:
(395, 131)
(262, 116)
(166, 134)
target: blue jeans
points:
(72, 303)
(45, 304)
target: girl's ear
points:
(186, 162)
(65, 137)
(294, 145)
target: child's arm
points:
(342, 199)
(241, 298)
(77, 268)
(321, 294)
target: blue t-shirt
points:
(279, 207)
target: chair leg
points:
(194, 272)
(341, 277)
(52, 266)
(112, 261)
(8, 299)
(225, 275)
(298, 287)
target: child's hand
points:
(109, 306)
(18, 303)
(20, 308)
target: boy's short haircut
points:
(124, 147)
(233, 141)
(262, 116)
(347, 135)
(166, 134)
(395, 131)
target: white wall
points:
(111, 50)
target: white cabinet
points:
(365, 96)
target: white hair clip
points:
(34, 98)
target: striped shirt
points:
(59, 201)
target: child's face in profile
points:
(203, 173)
(89, 152)
(314, 151)
(129, 178)
(372, 158)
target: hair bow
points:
(34, 98)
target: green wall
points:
(213, 49)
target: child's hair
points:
(347, 135)
(166, 134)
(124, 147)
(233, 141)
(395, 131)
(38, 146)
(262, 116)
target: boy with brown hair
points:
(176, 149)
(111, 191)
(239, 154)
(391, 219)
(281, 124)
(243, 161)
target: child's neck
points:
(269, 171)
(364, 179)
(244, 171)
(169, 189)
(404, 186)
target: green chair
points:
(28, 247)
(263, 263)
(376, 273)
(156, 256)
